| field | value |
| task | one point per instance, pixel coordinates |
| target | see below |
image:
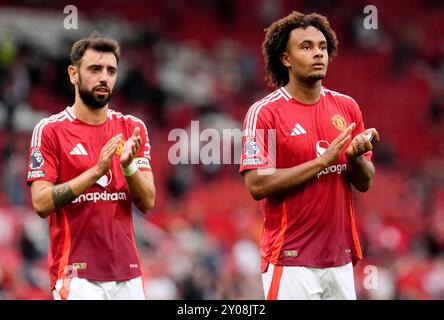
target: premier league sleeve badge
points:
(251, 148)
(36, 161)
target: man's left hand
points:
(360, 143)
(131, 147)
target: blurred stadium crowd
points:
(201, 60)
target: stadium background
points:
(201, 60)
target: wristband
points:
(130, 169)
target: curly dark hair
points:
(276, 38)
(96, 42)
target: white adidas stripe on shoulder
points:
(250, 112)
(334, 93)
(257, 113)
(36, 139)
(285, 93)
(71, 115)
(253, 112)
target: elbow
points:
(364, 187)
(363, 182)
(147, 205)
(145, 208)
(150, 205)
(41, 211)
(256, 192)
(257, 185)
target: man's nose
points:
(103, 77)
(319, 53)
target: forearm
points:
(53, 197)
(361, 173)
(282, 180)
(142, 190)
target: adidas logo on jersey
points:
(298, 130)
(78, 150)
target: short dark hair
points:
(96, 42)
(276, 38)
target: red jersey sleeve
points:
(258, 140)
(144, 155)
(43, 163)
(357, 118)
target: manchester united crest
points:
(339, 122)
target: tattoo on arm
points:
(62, 194)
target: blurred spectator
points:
(435, 110)
(269, 11)
(405, 48)
(15, 86)
(226, 10)
(14, 160)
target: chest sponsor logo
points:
(100, 196)
(339, 122)
(106, 179)
(298, 130)
(36, 160)
(321, 147)
(78, 150)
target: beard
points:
(315, 77)
(92, 100)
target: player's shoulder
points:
(128, 119)
(338, 96)
(55, 120)
(116, 115)
(51, 124)
(270, 102)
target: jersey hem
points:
(314, 264)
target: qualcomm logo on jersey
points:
(298, 130)
(321, 147)
(105, 179)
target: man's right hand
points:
(47, 197)
(106, 156)
(334, 150)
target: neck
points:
(307, 92)
(89, 115)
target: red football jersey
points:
(312, 225)
(93, 235)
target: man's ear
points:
(73, 73)
(285, 59)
